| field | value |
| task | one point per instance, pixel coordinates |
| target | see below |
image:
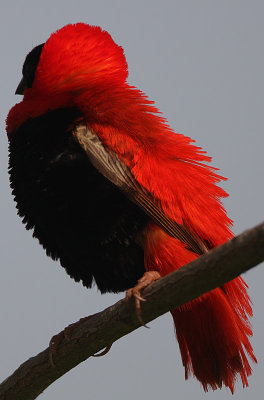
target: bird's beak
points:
(21, 87)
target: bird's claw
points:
(65, 335)
(53, 346)
(135, 292)
(104, 352)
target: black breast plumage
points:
(78, 216)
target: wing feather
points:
(109, 165)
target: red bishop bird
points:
(115, 195)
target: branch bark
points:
(209, 271)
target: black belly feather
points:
(78, 216)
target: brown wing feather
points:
(109, 165)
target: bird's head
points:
(74, 57)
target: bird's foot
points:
(135, 292)
(65, 334)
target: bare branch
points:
(200, 276)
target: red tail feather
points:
(212, 330)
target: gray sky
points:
(202, 62)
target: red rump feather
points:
(81, 66)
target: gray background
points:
(202, 62)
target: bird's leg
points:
(65, 334)
(135, 292)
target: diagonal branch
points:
(200, 276)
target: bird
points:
(118, 197)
